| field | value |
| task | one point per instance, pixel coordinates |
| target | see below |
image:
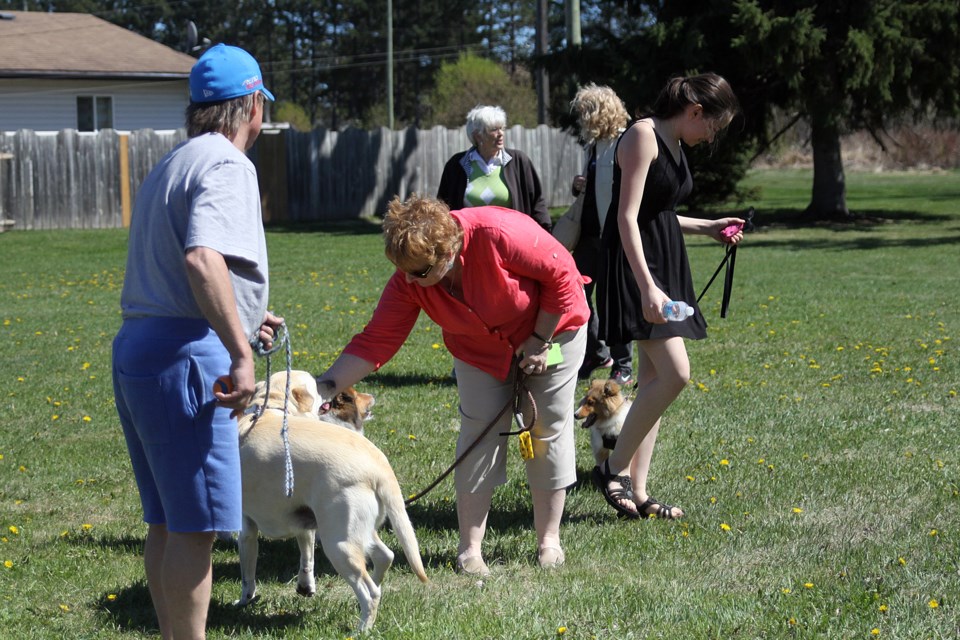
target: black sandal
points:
(613, 496)
(661, 510)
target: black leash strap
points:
(730, 261)
(514, 401)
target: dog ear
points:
(303, 399)
(611, 388)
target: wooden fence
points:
(72, 180)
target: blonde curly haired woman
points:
(602, 117)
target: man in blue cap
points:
(194, 301)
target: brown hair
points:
(419, 231)
(601, 112)
(223, 117)
(709, 90)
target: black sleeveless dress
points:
(618, 296)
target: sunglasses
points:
(423, 273)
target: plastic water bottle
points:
(676, 310)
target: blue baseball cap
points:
(224, 72)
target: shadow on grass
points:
(337, 228)
(865, 220)
(131, 609)
(398, 380)
(798, 218)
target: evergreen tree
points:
(842, 65)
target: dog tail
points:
(392, 498)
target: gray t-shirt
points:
(203, 193)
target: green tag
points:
(555, 355)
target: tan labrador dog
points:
(343, 490)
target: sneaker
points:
(592, 363)
(621, 377)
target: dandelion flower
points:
(561, 631)
(792, 621)
(933, 532)
(786, 591)
(874, 631)
(797, 510)
(725, 526)
(86, 526)
(112, 597)
(808, 585)
(13, 529)
(882, 608)
(902, 562)
(411, 437)
(933, 604)
(64, 608)
(724, 462)
(8, 564)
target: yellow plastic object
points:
(526, 445)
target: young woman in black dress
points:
(644, 265)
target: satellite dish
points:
(191, 35)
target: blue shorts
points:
(184, 447)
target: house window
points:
(94, 113)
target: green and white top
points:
(485, 183)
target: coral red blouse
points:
(511, 268)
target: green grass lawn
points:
(814, 452)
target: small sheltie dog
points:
(603, 410)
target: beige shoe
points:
(551, 557)
(473, 566)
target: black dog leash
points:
(730, 261)
(518, 389)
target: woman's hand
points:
(716, 226)
(653, 300)
(533, 356)
(579, 182)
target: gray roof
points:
(37, 44)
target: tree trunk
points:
(829, 197)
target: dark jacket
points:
(518, 174)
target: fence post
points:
(4, 223)
(125, 211)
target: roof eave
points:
(91, 75)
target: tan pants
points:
(482, 396)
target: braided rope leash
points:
(282, 341)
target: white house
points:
(76, 71)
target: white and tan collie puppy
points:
(603, 410)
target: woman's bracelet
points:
(541, 338)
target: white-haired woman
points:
(487, 174)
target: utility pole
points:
(542, 79)
(390, 64)
(572, 18)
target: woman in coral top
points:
(506, 295)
